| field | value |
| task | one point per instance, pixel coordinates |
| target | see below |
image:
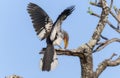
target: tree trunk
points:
(86, 63)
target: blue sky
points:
(19, 45)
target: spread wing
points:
(41, 21)
(60, 19)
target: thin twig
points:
(112, 56)
(111, 4)
(92, 3)
(108, 22)
(103, 45)
(103, 37)
(116, 10)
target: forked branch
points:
(96, 4)
(107, 63)
(108, 22)
(104, 44)
(101, 24)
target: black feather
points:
(48, 58)
(38, 16)
(66, 13)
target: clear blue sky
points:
(19, 45)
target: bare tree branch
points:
(108, 22)
(116, 10)
(65, 52)
(96, 4)
(111, 4)
(99, 3)
(114, 16)
(103, 45)
(103, 37)
(112, 56)
(101, 24)
(105, 64)
(92, 3)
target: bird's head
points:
(66, 39)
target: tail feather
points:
(41, 63)
(55, 61)
(49, 60)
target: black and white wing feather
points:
(40, 19)
(60, 19)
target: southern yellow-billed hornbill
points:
(50, 31)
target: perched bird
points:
(50, 31)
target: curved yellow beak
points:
(66, 39)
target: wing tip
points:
(30, 3)
(71, 8)
(31, 6)
(68, 10)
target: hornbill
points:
(50, 31)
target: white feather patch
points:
(42, 34)
(41, 63)
(53, 34)
(57, 41)
(48, 27)
(55, 62)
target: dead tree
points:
(85, 51)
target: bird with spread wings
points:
(52, 32)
